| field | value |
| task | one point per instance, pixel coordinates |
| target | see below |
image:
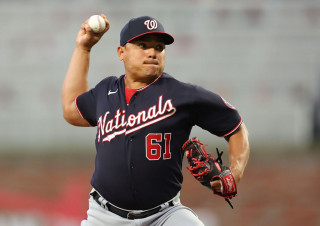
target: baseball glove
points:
(205, 168)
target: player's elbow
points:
(68, 117)
(72, 116)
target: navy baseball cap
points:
(140, 26)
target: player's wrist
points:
(82, 49)
(237, 174)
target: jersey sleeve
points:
(86, 105)
(215, 114)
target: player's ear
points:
(120, 51)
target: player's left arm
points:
(239, 151)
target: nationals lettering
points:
(109, 128)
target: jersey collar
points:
(145, 87)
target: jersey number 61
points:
(154, 148)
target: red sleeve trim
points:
(234, 129)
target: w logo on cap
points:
(143, 25)
(151, 24)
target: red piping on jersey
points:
(143, 88)
(233, 129)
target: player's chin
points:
(154, 70)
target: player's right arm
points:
(76, 80)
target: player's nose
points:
(151, 52)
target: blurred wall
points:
(262, 56)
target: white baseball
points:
(97, 23)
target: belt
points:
(126, 213)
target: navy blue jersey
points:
(139, 157)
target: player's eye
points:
(159, 48)
(142, 45)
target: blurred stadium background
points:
(261, 55)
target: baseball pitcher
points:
(144, 118)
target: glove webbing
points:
(198, 162)
(219, 160)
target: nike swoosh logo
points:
(112, 92)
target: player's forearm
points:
(76, 80)
(239, 151)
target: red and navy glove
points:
(205, 168)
